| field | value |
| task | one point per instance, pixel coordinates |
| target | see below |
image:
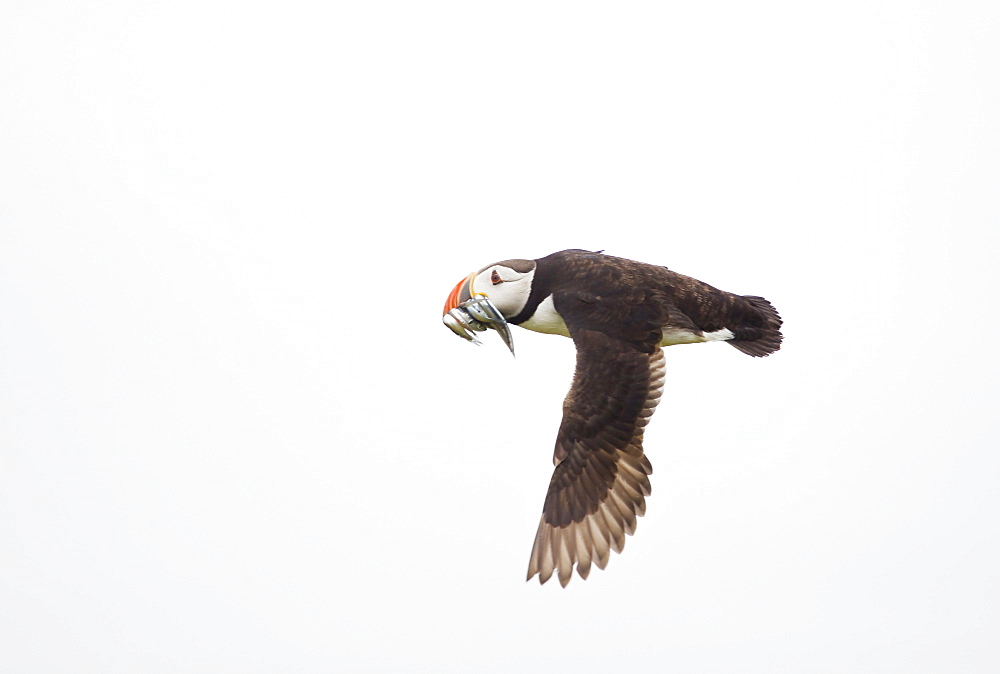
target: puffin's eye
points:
(495, 278)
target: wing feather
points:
(601, 479)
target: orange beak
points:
(460, 293)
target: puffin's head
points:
(505, 285)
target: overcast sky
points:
(235, 437)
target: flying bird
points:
(618, 313)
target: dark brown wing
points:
(601, 477)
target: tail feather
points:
(764, 338)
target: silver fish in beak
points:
(465, 314)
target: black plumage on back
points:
(685, 302)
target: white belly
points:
(545, 319)
(673, 336)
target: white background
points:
(235, 437)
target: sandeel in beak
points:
(476, 315)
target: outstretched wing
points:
(601, 477)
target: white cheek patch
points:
(481, 284)
(510, 296)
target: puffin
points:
(619, 314)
